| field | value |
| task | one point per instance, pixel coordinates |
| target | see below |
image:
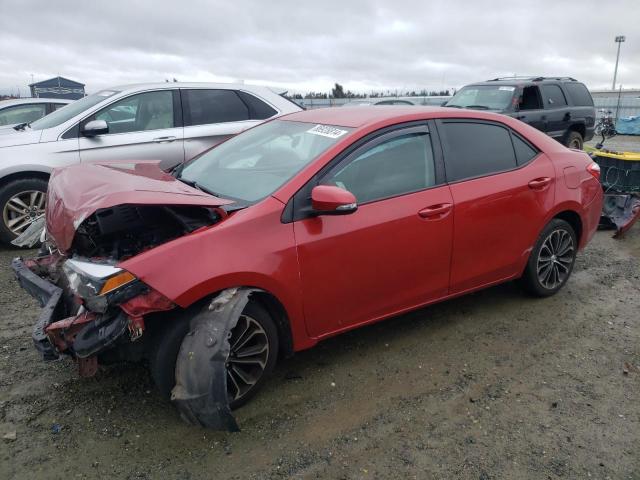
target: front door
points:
(393, 253)
(144, 126)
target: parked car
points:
(166, 121)
(295, 231)
(26, 110)
(561, 107)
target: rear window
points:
(524, 151)
(477, 149)
(552, 96)
(204, 107)
(258, 110)
(579, 94)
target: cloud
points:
(365, 45)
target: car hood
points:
(12, 138)
(78, 191)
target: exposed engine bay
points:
(126, 230)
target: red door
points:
(498, 215)
(393, 253)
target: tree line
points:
(338, 92)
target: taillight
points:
(594, 169)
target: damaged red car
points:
(294, 231)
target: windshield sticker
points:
(507, 89)
(327, 131)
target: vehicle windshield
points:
(69, 111)
(256, 163)
(483, 97)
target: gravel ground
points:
(492, 385)
(628, 143)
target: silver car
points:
(166, 121)
(19, 111)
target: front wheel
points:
(252, 356)
(551, 261)
(22, 201)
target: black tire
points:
(574, 140)
(10, 190)
(168, 339)
(533, 279)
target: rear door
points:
(393, 252)
(143, 126)
(556, 110)
(213, 115)
(502, 189)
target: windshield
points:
(256, 163)
(69, 111)
(485, 97)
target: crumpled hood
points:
(13, 138)
(78, 191)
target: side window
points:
(57, 106)
(477, 149)
(524, 151)
(400, 165)
(530, 99)
(137, 113)
(553, 96)
(579, 94)
(258, 110)
(204, 107)
(22, 113)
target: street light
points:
(619, 40)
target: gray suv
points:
(561, 107)
(166, 121)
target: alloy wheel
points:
(555, 259)
(248, 357)
(23, 209)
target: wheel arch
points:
(274, 306)
(42, 174)
(572, 218)
(577, 127)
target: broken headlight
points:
(89, 279)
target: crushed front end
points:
(92, 309)
(89, 307)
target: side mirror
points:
(95, 127)
(330, 200)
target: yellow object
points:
(629, 156)
(117, 281)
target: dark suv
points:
(561, 107)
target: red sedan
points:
(296, 230)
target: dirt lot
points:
(493, 385)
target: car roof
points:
(170, 85)
(24, 101)
(356, 117)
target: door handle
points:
(521, 117)
(539, 183)
(567, 116)
(164, 139)
(435, 211)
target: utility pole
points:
(619, 40)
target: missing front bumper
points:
(50, 298)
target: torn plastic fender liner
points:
(201, 373)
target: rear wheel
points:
(22, 201)
(574, 140)
(252, 356)
(551, 261)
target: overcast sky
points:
(302, 45)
